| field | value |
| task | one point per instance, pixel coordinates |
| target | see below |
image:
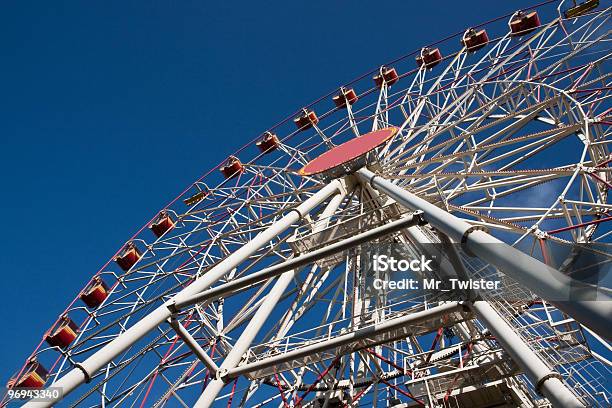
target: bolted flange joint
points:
(221, 374)
(465, 237)
(541, 381)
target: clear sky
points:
(109, 109)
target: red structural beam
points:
(584, 224)
(595, 176)
(280, 390)
(298, 402)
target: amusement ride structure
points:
(249, 289)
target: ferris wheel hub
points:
(349, 156)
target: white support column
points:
(546, 381)
(547, 282)
(86, 369)
(193, 345)
(259, 318)
(244, 341)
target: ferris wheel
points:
(249, 289)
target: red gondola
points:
(345, 95)
(307, 120)
(386, 75)
(232, 167)
(62, 333)
(523, 23)
(268, 142)
(430, 57)
(94, 293)
(162, 224)
(474, 39)
(128, 256)
(34, 376)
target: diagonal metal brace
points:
(182, 332)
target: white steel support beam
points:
(546, 381)
(85, 370)
(244, 341)
(294, 263)
(193, 345)
(538, 277)
(350, 338)
(259, 319)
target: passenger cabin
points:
(345, 96)
(581, 8)
(95, 292)
(523, 23)
(306, 120)
(231, 168)
(128, 256)
(196, 198)
(268, 142)
(62, 333)
(34, 376)
(474, 40)
(429, 58)
(162, 224)
(387, 76)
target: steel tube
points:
(547, 381)
(193, 345)
(246, 338)
(293, 263)
(85, 370)
(348, 338)
(547, 282)
(259, 318)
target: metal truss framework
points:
(257, 296)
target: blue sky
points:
(109, 109)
